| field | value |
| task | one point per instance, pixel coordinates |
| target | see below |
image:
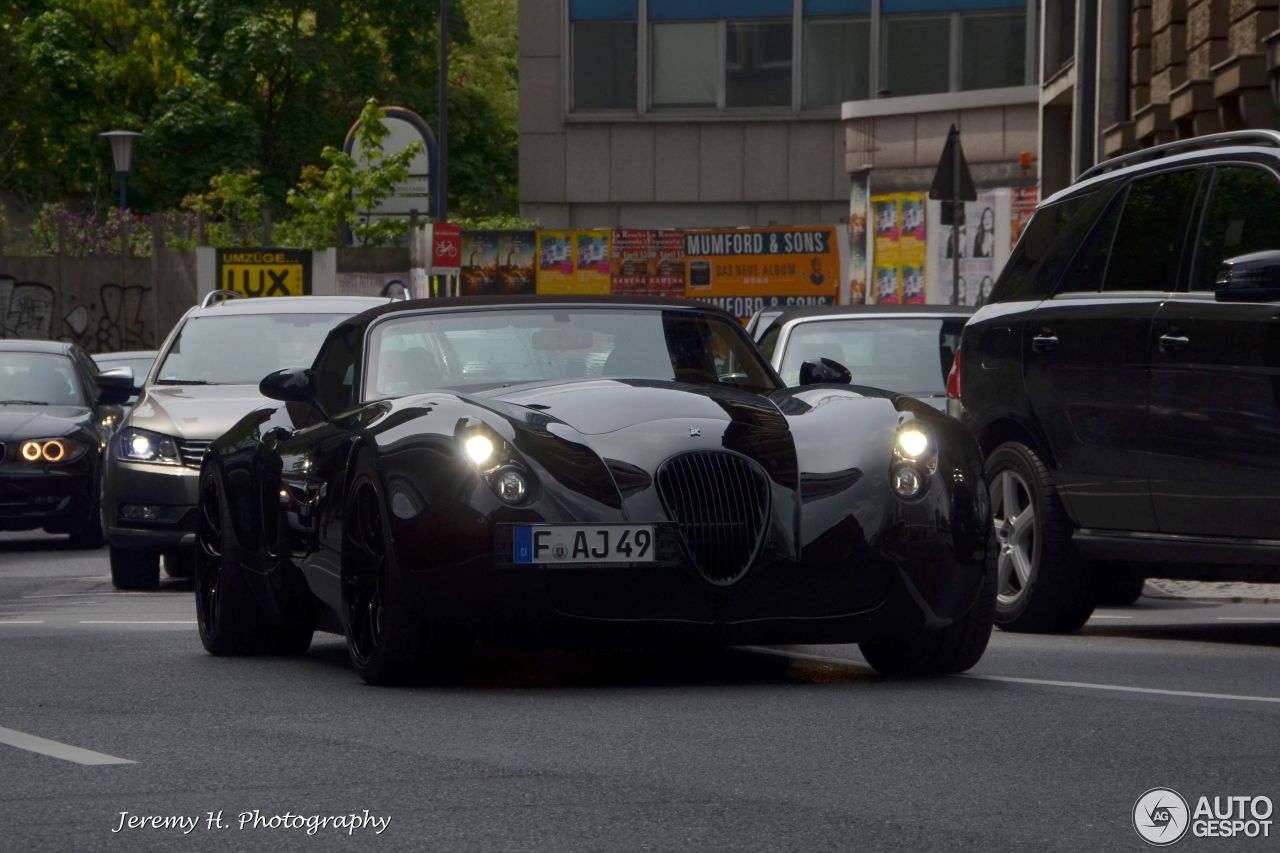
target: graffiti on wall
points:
(114, 321)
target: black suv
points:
(1124, 381)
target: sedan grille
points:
(721, 502)
(192, 452)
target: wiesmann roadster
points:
(566, 471)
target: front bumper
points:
(50, 497)
(169, 491)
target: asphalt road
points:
(1045, 746)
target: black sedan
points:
(585, 471)
(56, 413)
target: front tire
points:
(953, 649)
(387, 644)
(1042, 585)
(231, 623)
(133, 570)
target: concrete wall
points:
(105, 304)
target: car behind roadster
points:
(568, 471)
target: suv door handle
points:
(1046, 341)
(1174, 343)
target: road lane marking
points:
(1121, 688)
(137, 621)
(1038, 682)
(54, 749)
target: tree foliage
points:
(225, 86)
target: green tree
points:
(347, 191)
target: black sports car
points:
(606, 471)
(56, 413)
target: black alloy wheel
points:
(90, 533)
(230, 621)
(387, 643)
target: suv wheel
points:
(1042, 586)
(134, 569)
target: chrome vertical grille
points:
(721, 502)
(192, 452)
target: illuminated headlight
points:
(479, 449)
(53, 450)
(907, 482)
(915, 459)
(510, 485)
(139, 445)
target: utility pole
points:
(442, 126)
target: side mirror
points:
(1249, 278)
(824, 371)
(115, 386)
(293, 385)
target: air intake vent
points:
(721, 502)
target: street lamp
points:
(122, 154)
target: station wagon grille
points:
(721, 502)
(192, 452)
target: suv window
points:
(1053, 234)
(1090, 263)
(1147, 251)
(1242, 216)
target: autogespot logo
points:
(1160, 817)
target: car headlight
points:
(140, 445)
(52, 450)
(496, 462)
(915, 459)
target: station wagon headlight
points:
(51, 450)
(140, 445)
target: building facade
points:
(1126, 74)
(691, 113)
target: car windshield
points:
(46, 379)
(909, 355)
(240, 349)
(507, 347)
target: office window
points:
(686, 67)
(993, 51)
(915, 55)
(757, 64)
(604, 65)
(837, 62)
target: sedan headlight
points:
(52, 450)
(140, 445)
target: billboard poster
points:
(859, 213)
(887, 276)
(745, 269)
(1022, 204)
(498, 263)
(982, 251)
(264, 272)
(647, 262)
(573, 262)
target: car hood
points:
(596, 407)
(22, 420)
(194, 412)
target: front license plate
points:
(566, 544)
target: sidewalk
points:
(1221, 593)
